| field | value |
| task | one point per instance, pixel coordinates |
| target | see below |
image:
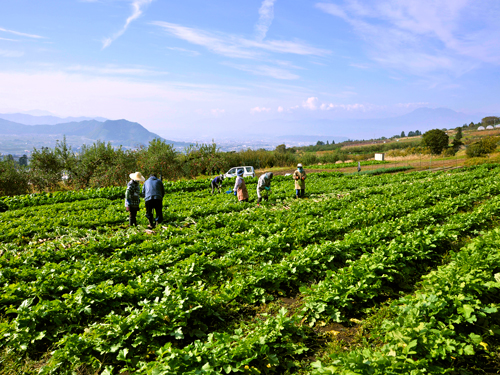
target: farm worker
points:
(240, 189)
(264, 186)
(216, 183)
(153, 191)
(300, 184)
(132, 197)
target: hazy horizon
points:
(201, 69)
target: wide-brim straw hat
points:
(137, 176)
(299, 165)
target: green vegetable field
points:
(409, 263)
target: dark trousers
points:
(156, 205)
(132, 215)
(214, 186)
(299, 192)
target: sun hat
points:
(299, 165)
(137, 176)
(240, 172)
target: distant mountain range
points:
(422, 119)
(30, 131)
(118, 132)
(27, 119)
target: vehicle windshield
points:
(232, 171)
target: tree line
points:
(100, 164)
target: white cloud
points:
(425, 36)
(266, 16)
(347, 107)
(9, 53)
(280, 109)
(235, 46)
(33, 36)
(137, 6)
(265, 70)
(259, 109)
(216, 112)
(311, 103)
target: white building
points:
(480, 128)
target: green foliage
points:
(46, 169)
(482, 147)
(158, 158)
(436, 140)
(13, 179)
(199, 293)
(490, 120)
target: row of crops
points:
(209, 290)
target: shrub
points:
(449, 151)
(13, 179)
(483, 147)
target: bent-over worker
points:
(132, 197)
(216, 183)
(300, 184)
(153, 191)
(264, 186)
(240, 189)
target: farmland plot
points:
(207, 291)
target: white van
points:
(247, 172)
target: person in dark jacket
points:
(216, 183)
(132, 197)
(153, 192)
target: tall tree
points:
(490, 120)
(436, 140)
(403, 134)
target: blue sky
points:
(196, 68)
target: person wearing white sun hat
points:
(132, 196)
(300, 184)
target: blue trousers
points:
(300, 192)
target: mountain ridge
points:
(123, 132)
(29, 119)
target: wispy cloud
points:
(359, 66)
(266, 16)
(9, 53)
(425, 36)
(114, 70)
(137, 8)
(10, 40)
(236, 46)
(186, 51)
(33, 36)
(265, 70)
